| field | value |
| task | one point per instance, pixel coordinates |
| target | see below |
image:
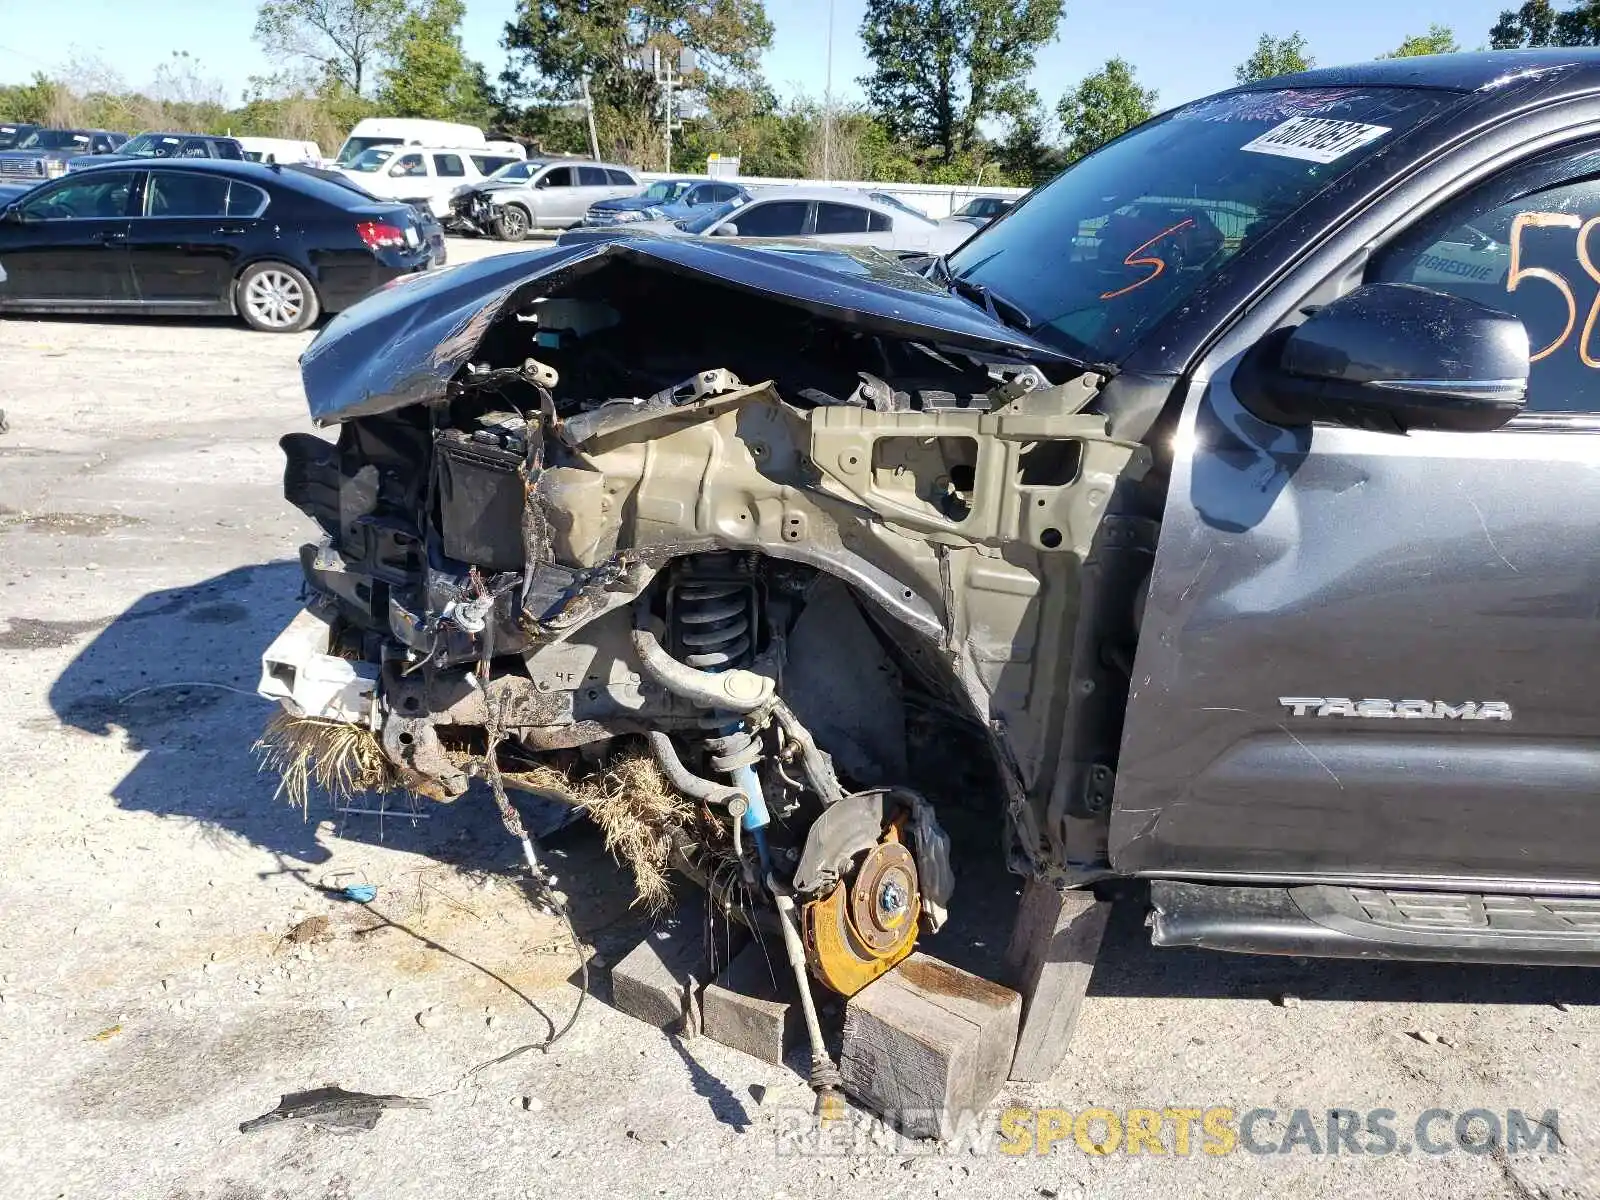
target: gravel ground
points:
(174, 954)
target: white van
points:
(423, 173)
(280, 150)
(412, 131)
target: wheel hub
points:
(868, 922)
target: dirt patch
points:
(312, 929)
(73, 523)
(158, 1070)
(26, 633)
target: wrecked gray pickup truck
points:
(768, 555)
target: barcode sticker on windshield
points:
(1315, 139)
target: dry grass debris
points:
(635, 808)
(341, 758)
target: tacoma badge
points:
(1435, 710)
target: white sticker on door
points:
(1315, 139)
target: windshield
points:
(665, 190)
(10, 135)
(985, 206)
(896, 202)
(1119, 240)
(355, 147)
(154, 145)
(54, 139)
(708, 217)
(370, 160)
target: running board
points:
(1330, 921)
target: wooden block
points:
(744, 1008)
(928, 1043)
(1050, 958)
(659, 980)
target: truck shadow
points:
(176, 673)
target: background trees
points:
(1541, 23)
(428, 74)
(947, 97)
(1275, 56)
(341, 41)
(1440, 39)
(558, 45)
(941, 68)
(1105, 105)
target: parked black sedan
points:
(199, 237)
(427, 224)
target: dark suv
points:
(45, 153)
(170, 145)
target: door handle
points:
(111, 237)
(231, 230)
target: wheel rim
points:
(275, 298)
(514, 221)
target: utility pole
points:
(827, 106)
(664, 77)
(588, 108)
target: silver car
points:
(841, 216)
(518, 199)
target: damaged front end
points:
(773, 553)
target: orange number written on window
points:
(1518, 274)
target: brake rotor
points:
(867, 923)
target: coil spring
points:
(740, 748)
(713, 623)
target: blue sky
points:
(1184, 48)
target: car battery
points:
(478, 484)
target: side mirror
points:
(544, 182)
(1391, 357)
(12, 214)
(726, 230)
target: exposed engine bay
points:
(808, 582)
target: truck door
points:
(1372, 657)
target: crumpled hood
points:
(402, 345)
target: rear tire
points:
(512, 223)
(276, 298)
